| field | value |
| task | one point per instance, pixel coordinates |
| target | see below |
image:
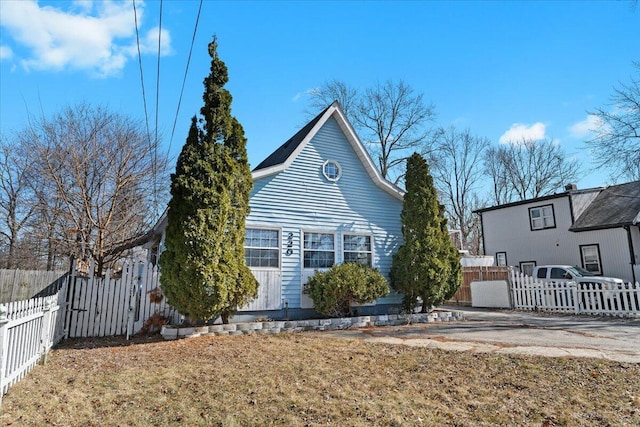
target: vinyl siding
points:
(508, 230)
(301, 199)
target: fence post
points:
(44, 335)
(574, 294)
(4, 347)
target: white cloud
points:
(98, 37)
(585, 127)
(5, 52)
(307, 92)
(519, 132)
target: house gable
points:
(284, 156)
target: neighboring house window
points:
(262, 248)
(357, 248)
(318, 250)
(526, 267)
(590, 255)
(331, 170)
(542, 217)
(501, 258)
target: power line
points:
(184, 79)
(155, 142)
(144, 97)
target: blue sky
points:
(501, 69)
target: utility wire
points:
(155, 142)
(184, 79)
(144, 97)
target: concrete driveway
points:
(514, 332)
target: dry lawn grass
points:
(306, 380)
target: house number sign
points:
(289, 244)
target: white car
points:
(567, 273)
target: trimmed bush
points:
(333, 291)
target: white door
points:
(318, 254)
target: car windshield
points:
(578, 272)
(582, 272)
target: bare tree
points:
(530, 169)
(390, 118)
(616, 143)
(457, 169)
(100, 175)
(15, 206)
(330, 91)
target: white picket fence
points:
(28, 330)
(120, 305)
(580, 298)
(83, 306)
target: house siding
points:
(508, 230)
(300, 199)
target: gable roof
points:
(614, 206)
(284, 155)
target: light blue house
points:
(317, 200)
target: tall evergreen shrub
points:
(426, 266)
(204, 274)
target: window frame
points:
(277, 248)
(599, 256)
(370, 252)
(498, 259)
(542, 217)
(303, 249)
(522, 264)
(338, 168)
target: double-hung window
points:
(318, 250)
(590, 255)
(357, 248)
(262, 248)
(542, 217)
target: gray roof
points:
(285, 150)
(615, 206)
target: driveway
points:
(514, 332)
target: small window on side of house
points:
(526, 267)
(591, 262)
(501, 258)
(542, 217)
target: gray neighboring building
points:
(597, 229)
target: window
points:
(542, 217)
(542, 273)
(590, 255)
(318, 250)
(559, 273)
(262, 248)
(331, 170)
(357, 248)
(501, 258)
(526, 267)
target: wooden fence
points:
(20, 285)
(28, 330)
(469, 274)
(580, 298)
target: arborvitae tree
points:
(424, 265)
(204, 274)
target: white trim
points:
(338, 167)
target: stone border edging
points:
(277, 326)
